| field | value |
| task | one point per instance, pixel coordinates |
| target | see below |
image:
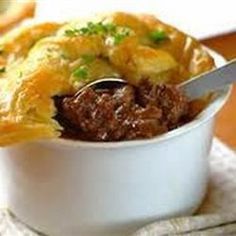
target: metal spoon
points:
(210, 81)
(193, 88)
(104, 83)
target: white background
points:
(200, 18)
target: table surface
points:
(226, 120)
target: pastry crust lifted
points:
(38, 63)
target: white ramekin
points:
(72, 188)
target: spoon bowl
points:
(104, 83)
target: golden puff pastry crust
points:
(45, 60)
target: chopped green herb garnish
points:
(20, 74)
(63, 56)
(71, 32)
(158, 36)
(90, 29)
(82, 31)
(2, 69)
(110, 27)
(121, 35)
(117, 33)
(95, 28)
(81, 72)
(88, 58)
(118, 38)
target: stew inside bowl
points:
(126, 113)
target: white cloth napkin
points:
(216, 216)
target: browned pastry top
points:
(39, 62)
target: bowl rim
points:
(220, 99)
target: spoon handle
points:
(210, 81)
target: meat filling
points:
(125, 113)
